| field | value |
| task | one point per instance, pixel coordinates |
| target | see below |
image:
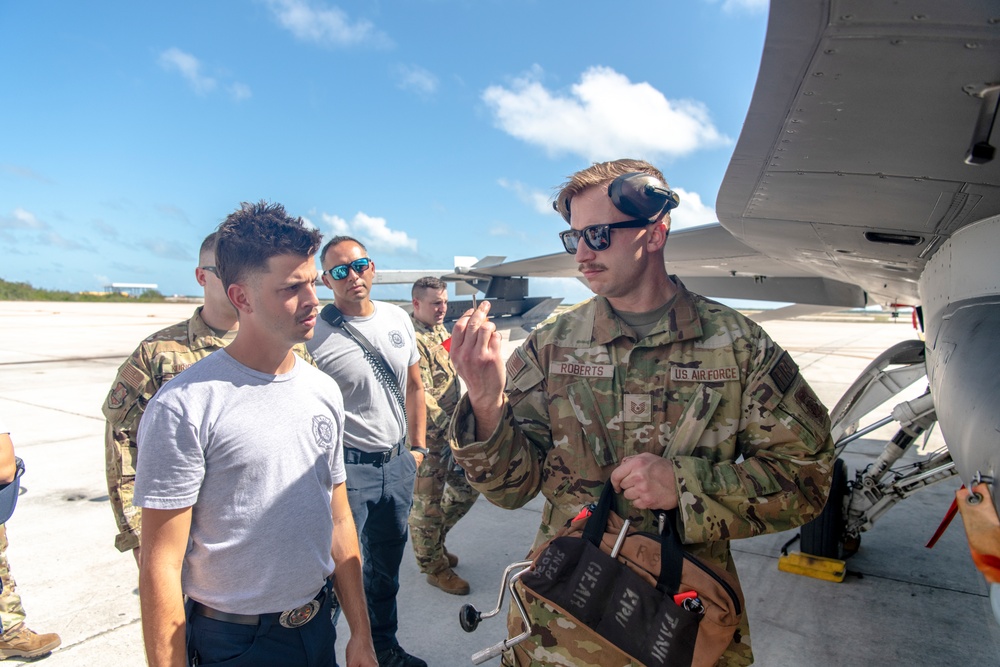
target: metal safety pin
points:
(621, 539)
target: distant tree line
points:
(25, 292)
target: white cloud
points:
(538, 200)
(239, 91)
(56, 240)
(572, 290)
(417, 79)
(751, 6)
(24, 172)
(603, 117)
(506, 231)
(167, 249)
(373, 232)
(173, 59)
(691, 212)
(22, 219)
(328, 26)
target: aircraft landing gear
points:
(856, 501)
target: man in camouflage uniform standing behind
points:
(17, 640)
(441, 494)
(157, 359)
(680, 401)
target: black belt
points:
(292, 618)
(376, 459)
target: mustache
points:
(591, 266)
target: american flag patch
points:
(514, 365)
(133, 377)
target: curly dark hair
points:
(255, 233)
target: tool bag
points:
(606, 595)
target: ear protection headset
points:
(638, 194)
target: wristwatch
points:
(420, 450)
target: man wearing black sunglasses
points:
(384, 426)
(683, 403)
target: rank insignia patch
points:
(637, 407)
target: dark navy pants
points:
(212, 643)
(380, 497)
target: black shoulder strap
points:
(671, 551)
(383, 373)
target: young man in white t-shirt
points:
(245, 509)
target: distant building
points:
(130, 289)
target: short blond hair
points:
(600, 173)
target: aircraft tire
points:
(824, 535)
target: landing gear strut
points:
(856, 501)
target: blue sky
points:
(426, 128)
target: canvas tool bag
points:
(653, 605)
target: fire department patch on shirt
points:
(637, 408)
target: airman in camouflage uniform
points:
(158, 359)
(441, 494)
(680, 401)
(17, 640)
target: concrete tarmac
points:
(900, 604)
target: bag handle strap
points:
(383, 373)
(671, 551)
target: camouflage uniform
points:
(704, 388)
(441, 494)
(11, 611)
(157, 359)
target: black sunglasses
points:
(210, 269)
(597, 237)
(340, 271)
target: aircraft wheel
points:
(824, 535)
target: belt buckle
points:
(296, 618)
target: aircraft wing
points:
(867, 142)
(710, 261)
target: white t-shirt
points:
(374, 419)
(255, 456)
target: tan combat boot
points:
(23, 643)
(449, 582)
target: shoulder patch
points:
(784, 372)
(116, 399)
(810, 403)
(132, 376)
(522, 373)
(514, 364)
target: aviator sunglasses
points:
(597, 237)
(340, 271)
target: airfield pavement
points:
(900, 604)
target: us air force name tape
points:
(638, 194)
